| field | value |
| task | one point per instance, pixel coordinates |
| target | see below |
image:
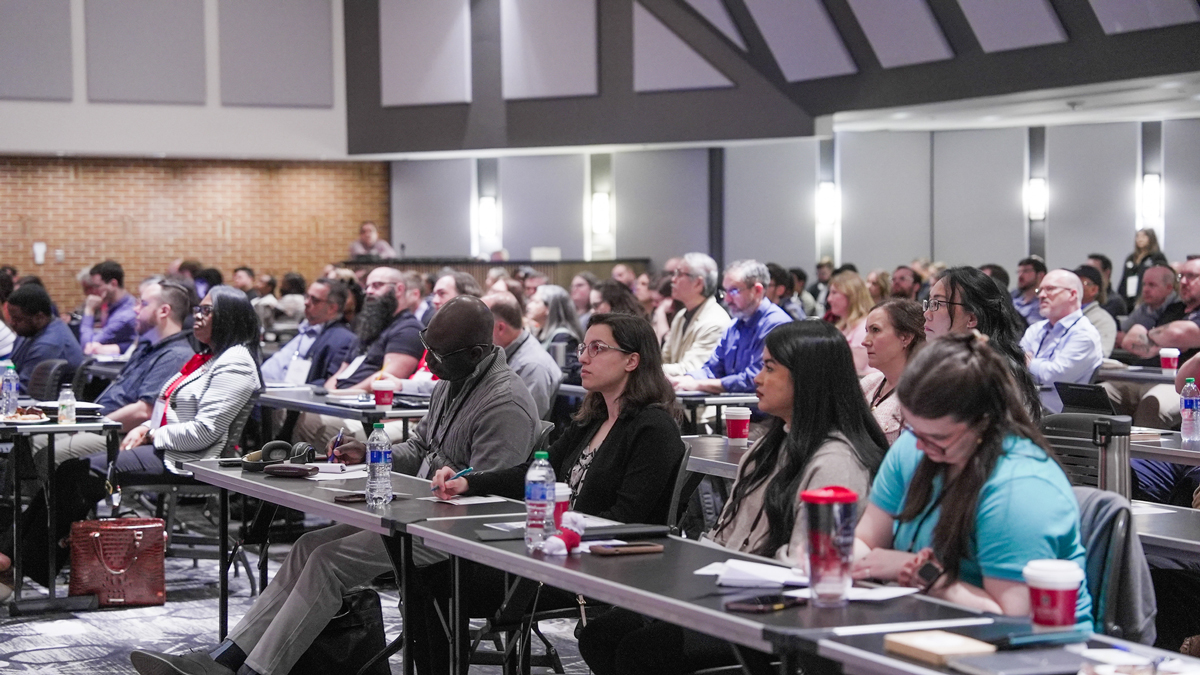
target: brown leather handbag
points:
(119, 560)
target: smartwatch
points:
(929, 573)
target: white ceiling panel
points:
(714, 12)
(1012, 24)
(662, 61)
(902, 32)
(803, 39)
(548, 48)
(1123, 16)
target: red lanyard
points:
(193, 364)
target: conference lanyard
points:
(1060, 340)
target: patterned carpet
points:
(99, 642)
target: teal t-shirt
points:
(1026, 511)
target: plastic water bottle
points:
(379, 467)
(1189, 410)
(539, 501)
(10, 386)
(66, 406)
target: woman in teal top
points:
(969, 493)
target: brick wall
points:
(273, 216)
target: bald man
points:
(480, 415)
(1065, 346)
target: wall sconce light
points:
(1037, 198)
(601, 213)
(1151, 207)
(829, 204)
(489, 217)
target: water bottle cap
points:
(1190, 380)
(541, 454)
(378, 425)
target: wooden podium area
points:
(560, 272)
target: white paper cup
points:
(562, 502)
(737, 424)
(1053, 591)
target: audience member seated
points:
(1065, 347)
(806, 300)
(895, 331)
(531, 280)
(525, 355)
(879, 284)
(665, 305)
(905, 283)
(824, 435)
(162, 349)
(643, 293)
(1178, 326)
(7, 336)
(738, 356)
(243, 280)
(369, 243)
(291, 297)
(190, 421)
(623, 275)
(40, 334)
(581, 295)
(970, 487)
(696, 330)
(610, 296)
(965, 300)
(452, 285)
(1160, 290)
(388, 344)
(849, 302)
(207, 278)
(781, 291)
(1030, 272)
(265, 303)
(1146, 254)
(1093, 309)
(118, 331)
(997, 273)
(820, 287)
(321, 343)
(552, 311)
(1113, 303)
(480, 416)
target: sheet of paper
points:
(711, 569)
(1147, 509)
(339, 468)
(857, 594)
(358, 475)
(586, 546)
(465, 501)
(507, 527)
(746, 574)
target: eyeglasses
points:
(202, 310)
(936, 305)
(675, 274)
(944, 449)
(595, 347)
(1188, 276)
(733, 291)
(443, 357)
(313, 299)
(1049, 290)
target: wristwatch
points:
(929, 573)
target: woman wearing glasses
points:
(895, 331)
(965, 299)
(190, 421)
(969, 493)
(823, 435)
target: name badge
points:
(156, 417)
(297, 371)
(1131, 285)
(350, 368)
(423, 472)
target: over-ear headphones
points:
(277, 452)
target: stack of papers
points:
(864, 594)
(338, 467)
(745, 574)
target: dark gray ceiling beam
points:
(953, 22)
(853, 37)
(758, 52)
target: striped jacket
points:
(202, 409)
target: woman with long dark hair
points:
(1146, 254)
(191, 421)
(824, 435)
(558, 327)
(612, 296)
(970, 493)
(965, 299)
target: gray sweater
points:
(489, 423)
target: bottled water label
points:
(539, 492)
(380, 456)
(1190, 404)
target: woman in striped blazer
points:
(191, 420)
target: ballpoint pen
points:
(337, 440)
(460, 474)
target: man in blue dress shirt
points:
(738, 356)
(1065, 347)
(1030, 273)
(41, 336)
(320, 346)
(119, 330)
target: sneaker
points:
(192, 663)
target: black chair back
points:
(47, 378)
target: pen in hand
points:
(460, 474)
(337, 440)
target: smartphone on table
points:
(763, 604)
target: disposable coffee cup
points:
(562, 503)
(384, 392)
(737, 424)
(1168, 358)
(1053, 591)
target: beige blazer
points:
(686, 350)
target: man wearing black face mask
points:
(481, 415)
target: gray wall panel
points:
(145, 51)
(541, 199)
(1181, 187)
(885, 183)
(1093, 171)
(424, 52)
(978, 215)
(35, 50)
(769, 203)
(901, 32)
(549, 48)
(1013, 24)
(431, 207)
(276, 52)
(661, 202)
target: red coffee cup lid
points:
(833, 494)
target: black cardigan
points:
(631, 476)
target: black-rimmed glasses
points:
(443, 357)
(202, 310)
(938, 304)
(596, 347)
